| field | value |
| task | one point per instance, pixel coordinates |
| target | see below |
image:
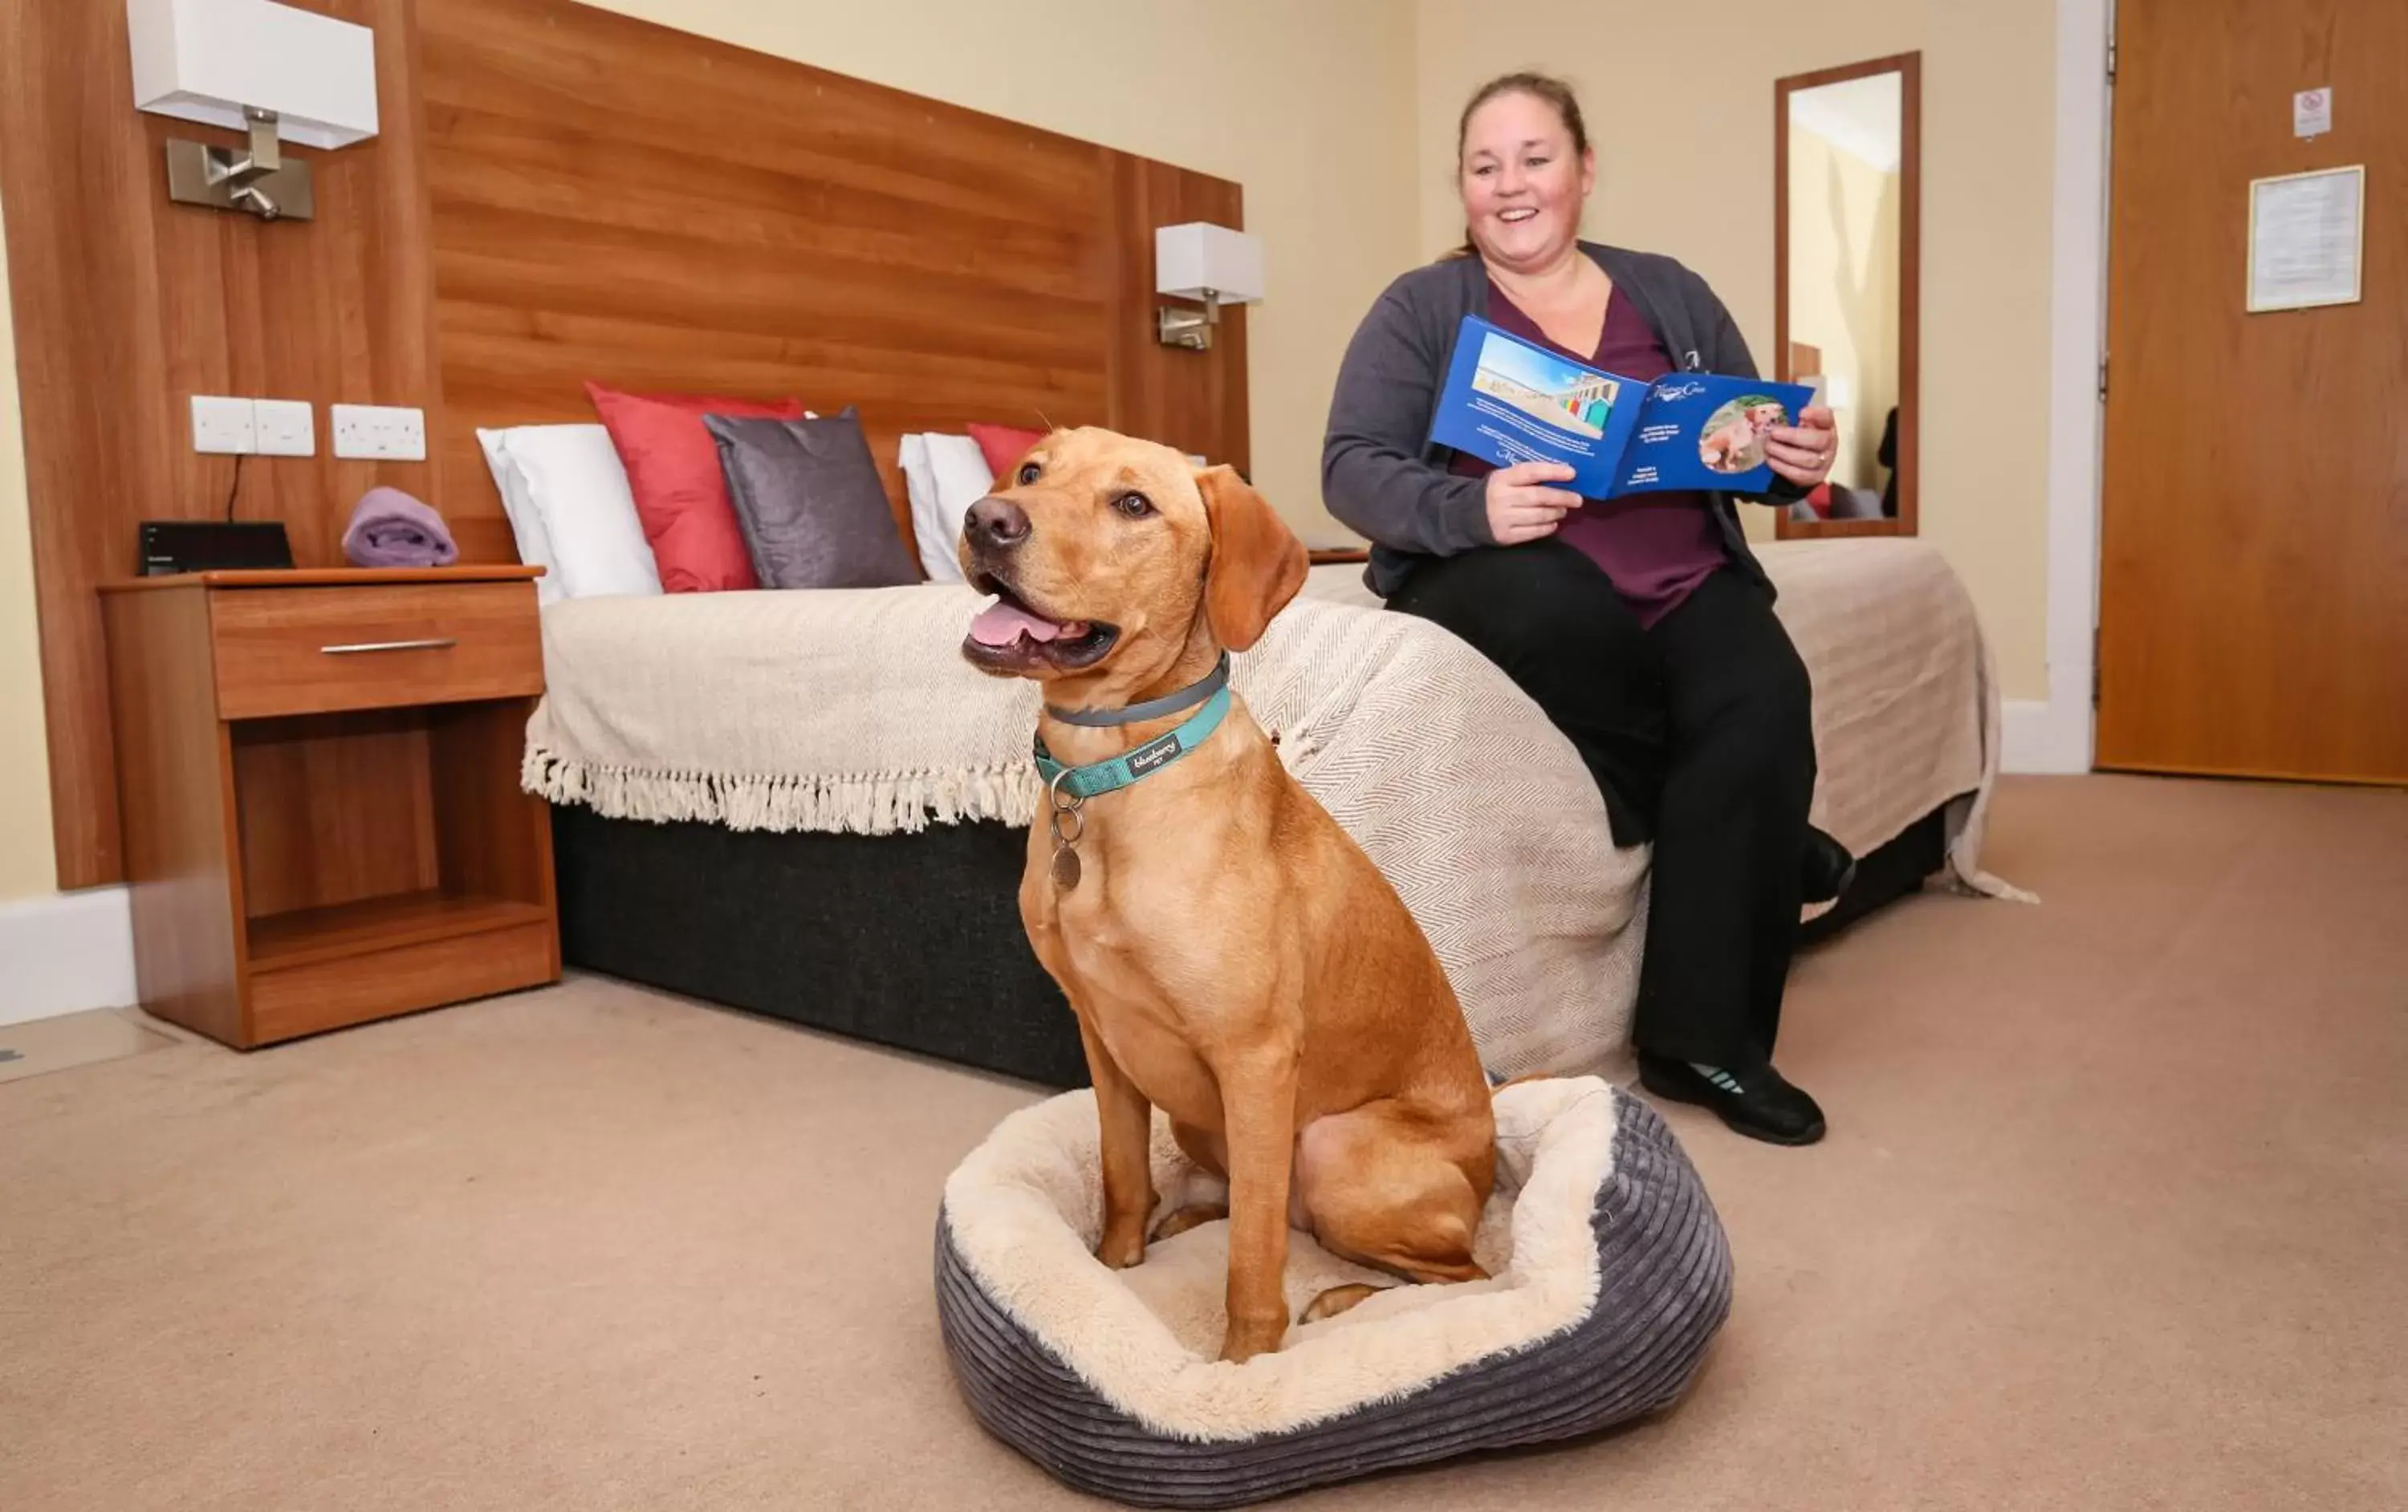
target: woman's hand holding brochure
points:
(1521, 507)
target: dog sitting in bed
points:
(1234, 958)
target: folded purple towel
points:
(390, 529)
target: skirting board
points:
(2037, 736)
(66, 952)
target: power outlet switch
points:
(223, 426)
(379, 433)
(286, 428)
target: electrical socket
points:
(287, 428)
(223, 426)
(380, 432)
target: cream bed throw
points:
(853, 711)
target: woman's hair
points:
(1546, 87)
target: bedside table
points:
(317, 779)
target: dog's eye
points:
(1135, 506)
(1030, 473)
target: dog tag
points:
(1066, 869)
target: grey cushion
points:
(809, 502)
(1664, 1280)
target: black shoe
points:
(1759, 1103)
(1827, 867)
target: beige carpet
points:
(2114, 1214)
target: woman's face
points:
(1523, 184)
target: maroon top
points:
(1656, 546)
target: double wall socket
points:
(288, 428)
(378, 431)
(229, 426)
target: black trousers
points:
(1699, 732)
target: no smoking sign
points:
(2311, 112)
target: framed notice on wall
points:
(2307, 234)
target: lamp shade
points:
(207, 60)
(1199, 261)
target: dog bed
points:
(1609, 1275)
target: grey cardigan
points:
(1380, 475)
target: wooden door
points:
(2254, 560)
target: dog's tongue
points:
(1003, 623)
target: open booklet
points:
(1507, 399)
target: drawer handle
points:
(356, 648)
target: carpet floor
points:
(2113, 1213)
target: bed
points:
(800, 801)
(805, 806)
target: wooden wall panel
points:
(126, 305)
(618, 201)
(558, 194)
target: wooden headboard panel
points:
(558, 194)
(618, 201)
(126, 306)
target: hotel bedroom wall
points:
(123, 305)
(1312, 107)
(26, 868)
(662, 211)
(1251, 96)
(1680, 111)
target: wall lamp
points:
(1211, 265)
(272, 71)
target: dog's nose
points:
(997, 522)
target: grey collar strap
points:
(1152, 708)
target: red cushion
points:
(681, 495)
(1003, 446)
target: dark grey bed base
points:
(912, 941)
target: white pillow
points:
(571, 480)
(526, 521)
(944, 475)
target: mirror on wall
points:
(1846, 216)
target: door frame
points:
(2058, 733)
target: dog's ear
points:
(1258, 564)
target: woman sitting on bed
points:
(1643, 627)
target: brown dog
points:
(1233, 957)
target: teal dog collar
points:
(1068, 787)
(1083, 783)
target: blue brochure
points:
(1507, 399)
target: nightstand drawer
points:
(308, 650)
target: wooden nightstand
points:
(318, 775)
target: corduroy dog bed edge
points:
(1112, 1404)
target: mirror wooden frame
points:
(1909, 68)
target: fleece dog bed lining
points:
(1609, 1275)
